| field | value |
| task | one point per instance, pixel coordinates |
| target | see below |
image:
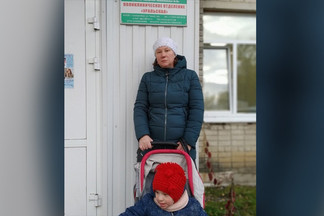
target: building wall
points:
(231, 146)
(127, 55)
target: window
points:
(229, 67)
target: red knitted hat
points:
(170, 179)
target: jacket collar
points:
(182, 64)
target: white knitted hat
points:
(165, 41)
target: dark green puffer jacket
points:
(169, 105)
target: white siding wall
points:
(127, 55)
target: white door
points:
(82, 126)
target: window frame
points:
(208, 46)
(231, 115)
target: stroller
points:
(167, 152)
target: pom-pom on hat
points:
(165, 41)
(170, 179)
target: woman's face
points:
(163, 199)
(165, 57)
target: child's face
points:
(162, 199)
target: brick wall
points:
(233, 149)
(232, 146)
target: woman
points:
(169, 104)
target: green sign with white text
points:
(154, 12)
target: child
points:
(168, 197)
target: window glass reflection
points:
(216, 81)
(246, 78)
(229, 27)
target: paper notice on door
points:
(68, 71)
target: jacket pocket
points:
(185, 112)
(149, 113)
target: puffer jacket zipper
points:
(165, 103)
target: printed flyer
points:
(68, 71)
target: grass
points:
(217, 198)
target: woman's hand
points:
(145, 142)
(180, 147)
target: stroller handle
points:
(164, 145)
(156, 145)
